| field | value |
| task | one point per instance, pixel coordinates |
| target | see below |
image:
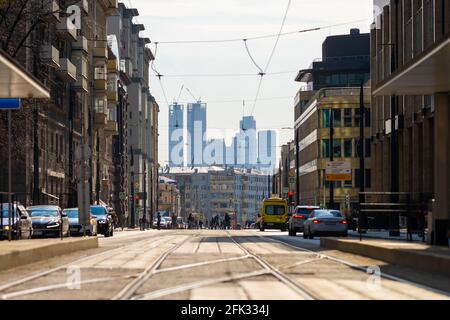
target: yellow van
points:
(274, 214)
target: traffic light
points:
(291, 197)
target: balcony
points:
(66, 30)
(81, 85)
(113, 66)
(68, 71)
(112, 88)
(82, 73)
(111, 128)
(100, 111)
(100, 51)
(80, 45)
(99, 120)
(52, 8)
(100, 78)
(50, 56)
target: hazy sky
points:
(168, 20)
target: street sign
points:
(291, 180)
(285, 190)
(338, 171)
(10, 104)
(122, 196)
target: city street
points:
(218, 265)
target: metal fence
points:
(379, 209)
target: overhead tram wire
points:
(270, 58)
(261, 37)
(152, 66)
(212, 75)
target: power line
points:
(270, 58)
(261, 37)
(199, 75)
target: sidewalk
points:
(409, 254)
(17, 253)
(385, 235)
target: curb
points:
(403, 257)
(18, 258)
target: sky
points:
(174, 20)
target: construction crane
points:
(192, 95)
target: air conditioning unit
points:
(50, 56)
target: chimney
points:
(354, 32)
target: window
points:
(337, 118)
(337, 148)
(348, 184)
(325, 148)
(325, 118)
(348, 148)
(348, 119)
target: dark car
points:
(105, 223)
(49, 221)
(21, 225)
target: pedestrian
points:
(174, 221)
(158, 223)
(227, 221)
(201, 224)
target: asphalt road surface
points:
(217, 265)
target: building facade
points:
(410, 106)
(330, 94)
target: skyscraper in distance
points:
(196, 133)
(176, 135)
(267, 150)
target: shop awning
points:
(16, 82)
(428, 74)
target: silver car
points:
(298, 217)
(325, 223)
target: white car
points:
(325, 223)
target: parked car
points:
(325, 223)
(76, 228)
(21, 227)
(48, 221)
(166, 223)
(298, 217)
(105, 223)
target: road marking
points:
(198, 284)
(199, 264)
